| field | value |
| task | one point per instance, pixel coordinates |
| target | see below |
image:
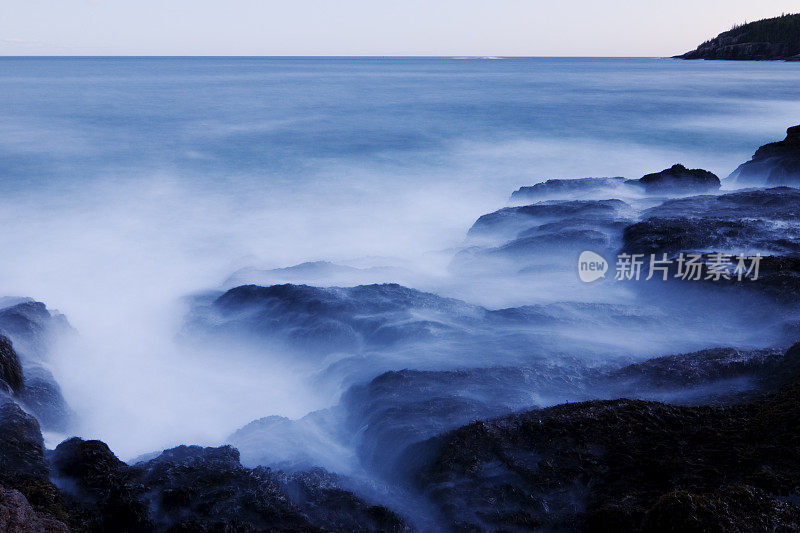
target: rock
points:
(594, 464)
(100, 492)
(679, 179)
(744, 222)
(505, 224)
(320, 273)
(190, 488)
(327, 320)
(32, 328)
(570, 189)
(774, 38)
(736, 508)
(749, 222)
(542, 235)
(42, 396)
(21, 445)
(23, 465)
(17, 515)
(776, 163)
(10, 368)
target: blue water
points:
(283, 119)
(128, 183)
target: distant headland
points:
(769, 39)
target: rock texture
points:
(190, 488)
(624, 465)
(775, 38)
(775, 163)
(10, 368)
(582, 188)
(679, 179)
(17, 515)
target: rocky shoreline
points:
(769, 39)
(612, 435)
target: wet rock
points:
(17, 515)
(507, 223)
(542, 235)
(42, 396)
(99, 489)
(325, 320)
(775, 163)
(679, 179)
(31, 327)
(23, 465)
(747, 221)
(737, 508)
(10, 368)
(190, 488)
(582, 188)
(621, 462)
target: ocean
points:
(128, 184)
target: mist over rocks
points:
(776, 163)
(572, 188)
(589, 465)
(10, 368)
(335, 319)
(442, 413)
(27, 333)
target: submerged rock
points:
(775, 163)
(679, 179)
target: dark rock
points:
(23, 465)
(325, 320)
(508, 222)
(736, 508)
(42, 396)
(541, 235)
(571, 188)
(679, 179)
(776, 163)
(620, 464)
(17, 515)
(10, 368)
(774, 38)
(100, 490)
(21, 445)
(190, 488)
(752, 220)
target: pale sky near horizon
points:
(371, 27)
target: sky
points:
(371, 27)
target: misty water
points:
(130, 186)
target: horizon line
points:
(353, 56)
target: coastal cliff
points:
(768, 39)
